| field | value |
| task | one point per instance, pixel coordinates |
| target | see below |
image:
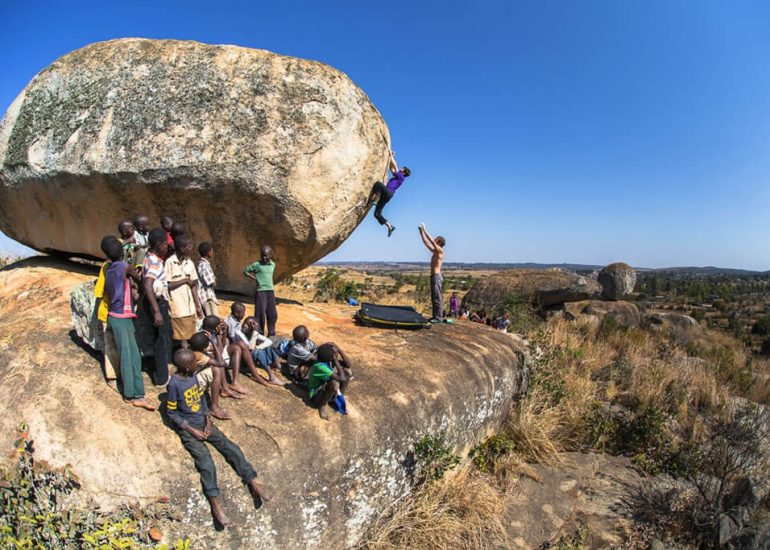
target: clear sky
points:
(544, 131)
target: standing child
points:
(264, 299)
(121, 322)
(184, 303)
(166, 222)
(383, 193)
(454, 306)
(141, 236)
(127, 231)
(102, 314)
(156, 295)
(327, 377)
(207, 280)
(189, 414)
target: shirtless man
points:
(436, 246)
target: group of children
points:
(151, 273)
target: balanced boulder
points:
(243, 146)
(540, 287)
(617, 280)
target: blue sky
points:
(536, 131)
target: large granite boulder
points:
(617, 280)
(540, 287)
(682, 327)
(331, 479)
(625, 313)
(246, 147)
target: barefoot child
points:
(262, 351)
(184, 302)
(264, 299)
(210, 370)
(302, 353)
(232, 353)
(102, 314)
(207, 280)
(156, 297)
(329, 375)
(383, 193)
(190, 417)
(121, 322)
(240, 341)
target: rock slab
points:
(246, 147)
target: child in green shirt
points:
(330, 374)
(264, 299)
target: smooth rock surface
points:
(617, 281)
(246, 147)
(540, 287)
(330, 479)
(683, 327)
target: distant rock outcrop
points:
(244, 146)
(540, 287)
(683, 327)
(625, 313)
(617, 280)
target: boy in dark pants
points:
(383, 193)
(330, 374)
(264, 300)
(189, 414)
(155, 287)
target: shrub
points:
(486, 454)
(331, 286)
(762, 326)
(434, 457)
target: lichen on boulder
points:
(244, 146)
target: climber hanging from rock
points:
(381, 194)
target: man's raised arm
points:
(392, 163)
(426, 238)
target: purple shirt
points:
(118, 290)
(395, 182)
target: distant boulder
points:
(625, 313)
(617, 281)
(683, 327)
(539, 287)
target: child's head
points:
(266, 252)
(158, 241)
(441, 241)
(250, 324)
(199, 341)
(406, 171)
(142, 223)
(300, 334)
(177, 229)
(205, 250)
(182, 246)
(113, 250)
(105, 240)
(454, 295)
(238, 310)
(126, 229)
(166, 222)
(184, 361)
(210, 323)
(326, 353)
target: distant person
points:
(301, 354)
(264, 299)
(207, 280)
(328, 376)
(102, 313)
(190, 417)
(262, 351)
(141, 237)
(503, 322)
(210, 370)
(436, 246)
(121, 322)
(166, 222)
(454, 306)
(383, 193)
(156, 296)
(184, 302)
(238, 339)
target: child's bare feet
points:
(238, 388)
(142, 404)
(219, 412)
(216, 511)
(275, 381)
(228, 393)
(259, 491)
(323, 412)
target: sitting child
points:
(301, 353)
(261, 347)
(188, 413)
(239, 339)
(327, 377)
(216, 331)
(210, 370)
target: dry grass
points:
(460, 511)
